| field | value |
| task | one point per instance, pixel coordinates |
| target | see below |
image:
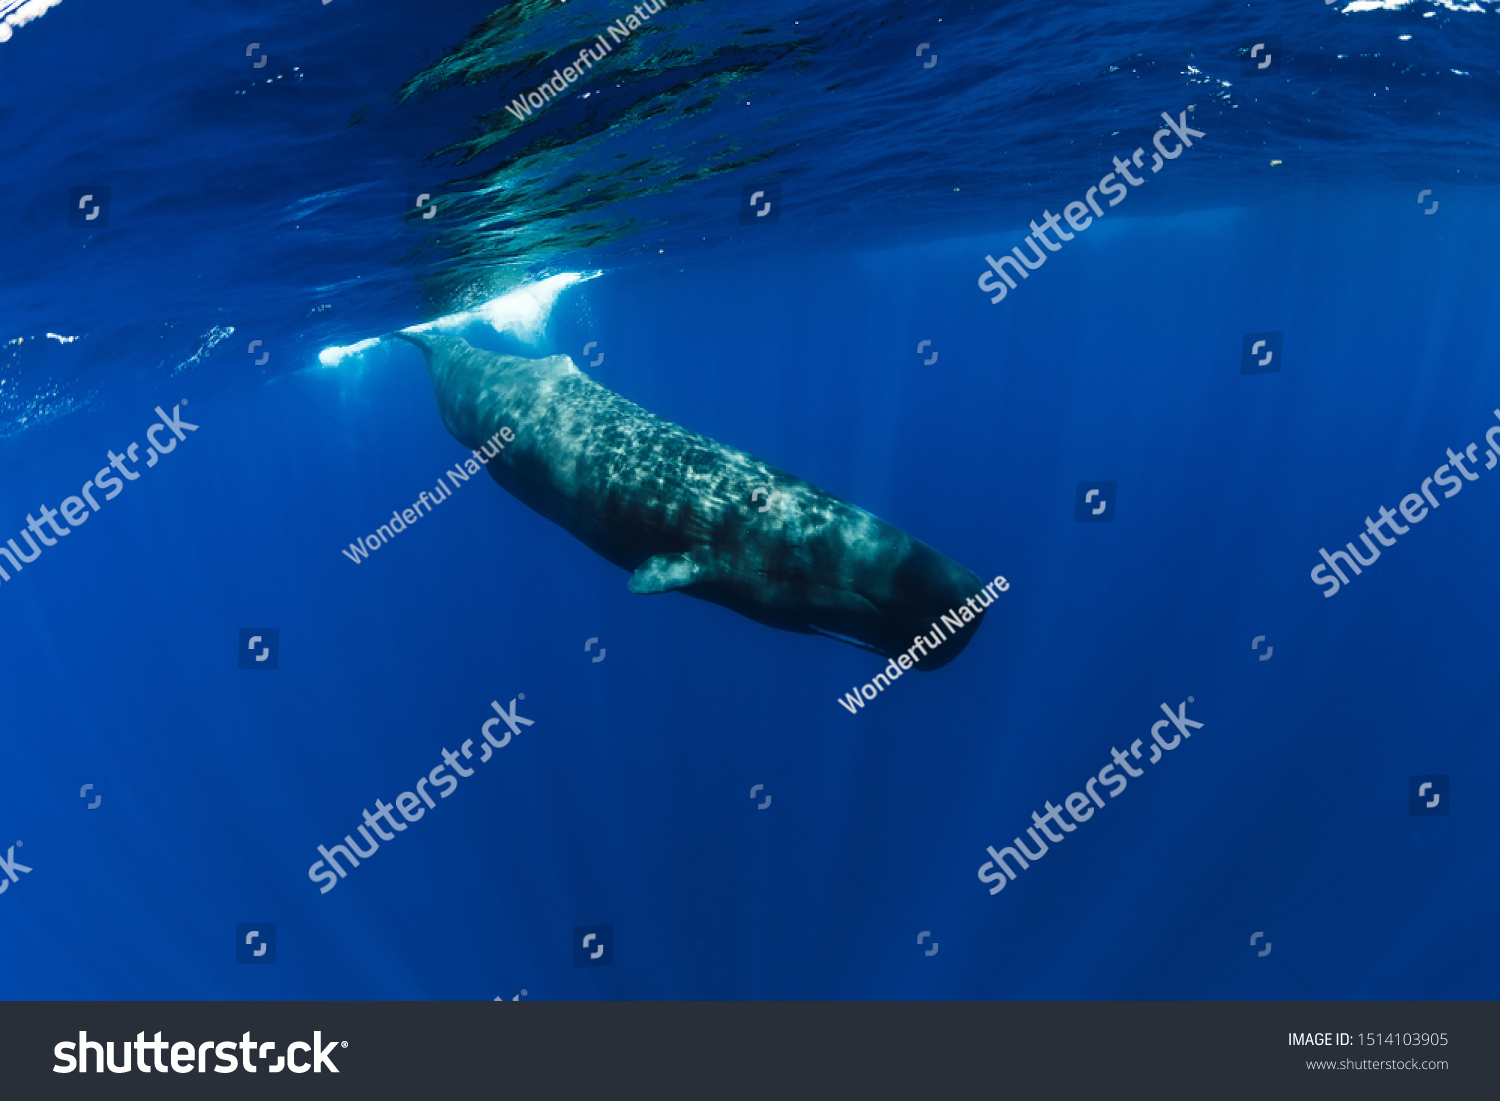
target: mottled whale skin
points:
(679, 512)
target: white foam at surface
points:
(17, 13)
(330, 357)
(1396, 5)
(522, 313)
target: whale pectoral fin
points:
(664, 573)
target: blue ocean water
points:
(1341, 198)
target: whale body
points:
(684, 513)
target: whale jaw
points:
(912, 596)
(901, 640)
(950, 647)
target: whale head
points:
(894, 588)
(818, 564)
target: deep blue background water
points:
(268, 209)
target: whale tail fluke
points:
(459, 371)
(430, 343)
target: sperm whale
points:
(684, 513)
